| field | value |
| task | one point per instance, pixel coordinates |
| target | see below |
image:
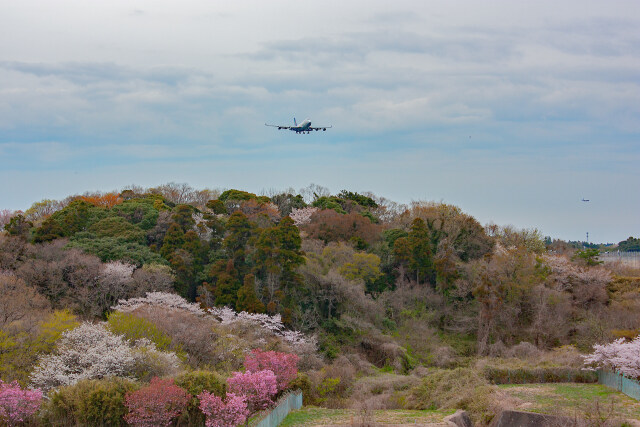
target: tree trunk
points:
(484, 331)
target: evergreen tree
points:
(49, 230)
(183, 216)
(240, 232)
(278, 254)
(217, 231)
(225, 284)
(173, 239)
(217, 207)
(421, 258)
(415, 252)
(195, 247)
(247, 299)
(182, 264)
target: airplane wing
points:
(279, 126)
(323, 128)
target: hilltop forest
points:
(366, 286)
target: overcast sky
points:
(512, 110)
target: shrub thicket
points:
(134, 328)
(460, 388)
(156, 404)
(89, 402)
(196, 382)
(529, 375)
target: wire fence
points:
(284, 405)
(632, 259)
(621, 383)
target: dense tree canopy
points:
(345, 263)
(630, 245)
(152, 282)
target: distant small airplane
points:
(585, 200)
(304, 127)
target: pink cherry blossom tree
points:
(258, 388)
(157, 404)
(618, 356)
(283, 365)
(228, 413)
(17, 404)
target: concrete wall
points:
(529, 419)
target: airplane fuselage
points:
(302, 127)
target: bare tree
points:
(5, 217)
(179, 194)
(42, 209)
(152, 278)
(199, 198)
(313, 191)
(68, 278)
(19, 302)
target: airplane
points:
(585, 200)
(304, 127)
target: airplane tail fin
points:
(294, 122)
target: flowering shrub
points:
(258, 388)
(228, 315)
(162, 299)
(118, 271)
(273, 324)
(16, 404)
(283, 365)
(91, 351)
(88, 351)
(587, 285)
(228, 413)
(618, 356)
(302, 216)
(150, 362)
(157, 404)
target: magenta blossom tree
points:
(157, 404)
(283, 365)
(17, 404)
(228, 413)
(258, 388)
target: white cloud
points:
(466, 87)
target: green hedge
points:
(89, 403)
(526, 375)
(196, 382)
